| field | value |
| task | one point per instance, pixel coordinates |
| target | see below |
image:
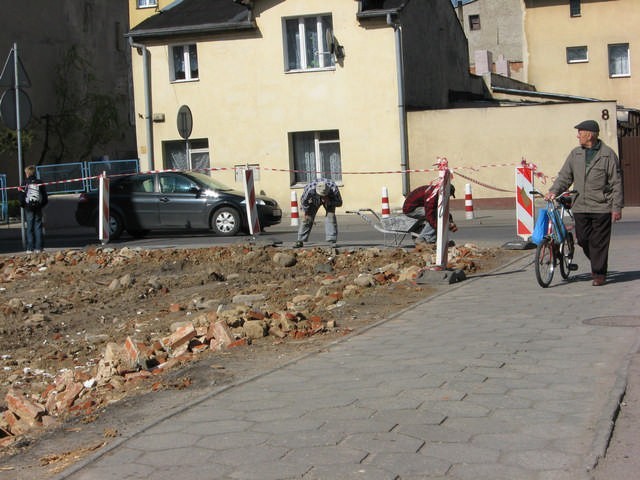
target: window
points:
(184, 62)
(619, 60)
(147, 3)
(474, 22)
(308, 43)
(574, 8)
(315, 155)
(577, 54)
(191, 155)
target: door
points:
(630, 164)
(180, 202)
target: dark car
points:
(174, 201)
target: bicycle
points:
(557, 247)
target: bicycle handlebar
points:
(563, 194)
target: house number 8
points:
(605, 114)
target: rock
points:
(285, 259)
(254, 329)
(364, 280)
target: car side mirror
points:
(195, 190)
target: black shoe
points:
(573, 267)
(298, 244)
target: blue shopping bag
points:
(541, 227)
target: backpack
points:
(33, 197)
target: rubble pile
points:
(81, 328)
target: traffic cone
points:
(468, 203)
(386, 212)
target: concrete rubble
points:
(211, 326)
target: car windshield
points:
(208, 181)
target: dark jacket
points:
(425, 196)
(599, 187)
(22, 193)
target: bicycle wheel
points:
(566, 255)
(544, 262)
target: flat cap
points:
(589, 126)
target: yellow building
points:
(299, 88)
(584, 48)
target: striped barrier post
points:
(525, 209)
(295, 217)
(250, 200)
(442, 240)
(103, 198)
(386, 211)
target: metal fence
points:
(4, 206)
(76, 177)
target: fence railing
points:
(4, 206)
(75, 177)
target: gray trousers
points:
(428, 233)
(330, 225)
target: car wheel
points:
(225, 222)
(116, 226)
(138, 233)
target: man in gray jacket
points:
(594, 170)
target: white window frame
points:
(301, 176)
(624, 61)
(184, 152)
(186, 62)
(147, 3)
(325, 55)
(576, 50)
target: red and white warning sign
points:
(525, 208)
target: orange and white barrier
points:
(250, 200)
(386, 211)
(468, 202)
(525, 209)
(103, 199)
(295, 216)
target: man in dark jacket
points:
(422, 204)
(594, 170)
(33, 198)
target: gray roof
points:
(188, 17)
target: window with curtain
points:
(308, 43)
(619, 60)
(574, 8)
(147, 3)
(191, 155)
(183, 62)
(315, 155)
(577, 54)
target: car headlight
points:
(259, 201)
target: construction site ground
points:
(59, 311)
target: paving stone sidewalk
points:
(496, 378)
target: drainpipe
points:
(404, 164)
(147, 99)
